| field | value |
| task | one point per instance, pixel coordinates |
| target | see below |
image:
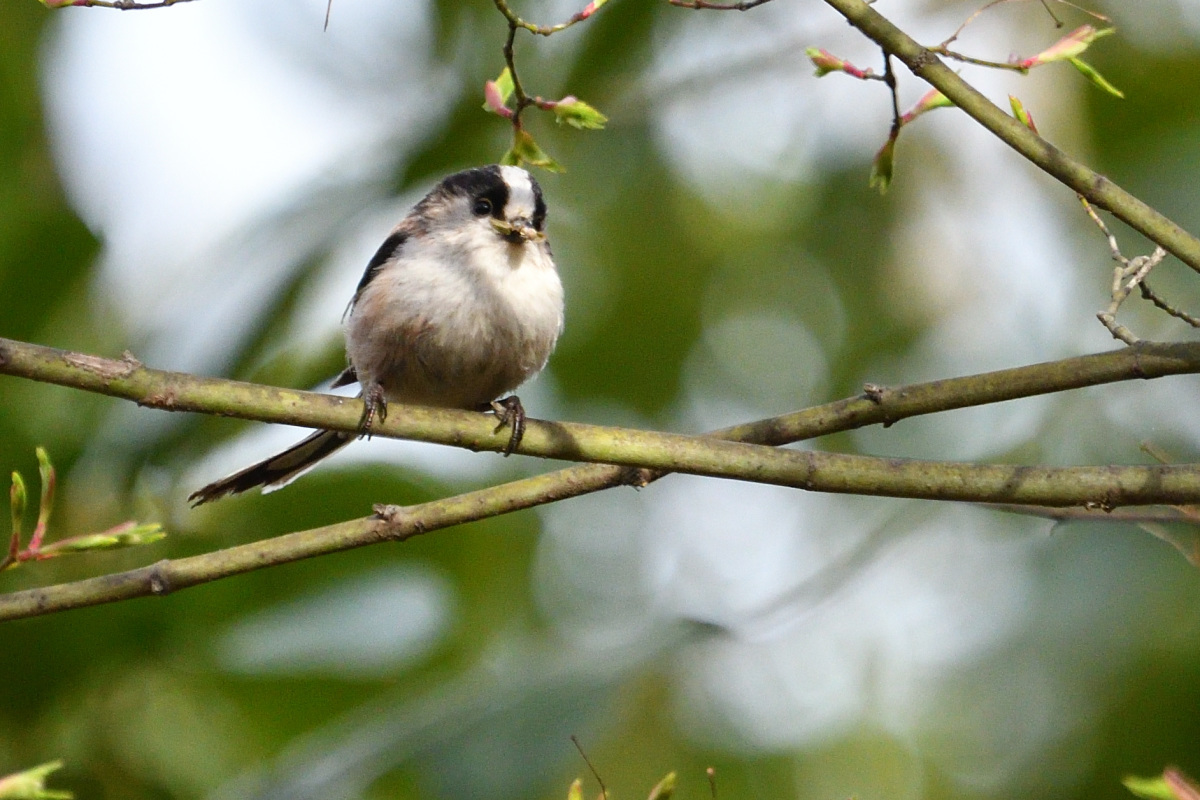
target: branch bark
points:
(1099, 487)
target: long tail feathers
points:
(278, 470)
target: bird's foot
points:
(374, 405)
(510, 412)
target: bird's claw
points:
(374, 405)
(510, 412)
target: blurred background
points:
(203, 185)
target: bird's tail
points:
(277, 471)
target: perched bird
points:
(461, 304)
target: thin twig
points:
(889, 77)
(591, 766)
(942, 50)
(121, 5)
(744, 5)
(1127, 274)
(1057, 22)
(547, 30)
(1153, 297)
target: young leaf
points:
(16, 502)
(1068, 47)
(664, 788)
(504, 85)
(928, 102)
(128, 534)
(1095, 77)
(826, 62)
(1023, 116)
(578, 114)
(882, 166)
(49, 480)
(525, 150)
(31, 784)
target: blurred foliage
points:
(148, 699)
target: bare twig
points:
(744, 5)
(1057, 22)
(1153, 297)
(591, 766)
(121, 5)
(942, 50)
(1127, 275)
(547, 30)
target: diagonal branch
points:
(1101, 486)
(1092, 185)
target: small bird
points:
(461, 304)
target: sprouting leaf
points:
(928, 102)
(883, 165)
(525, 150)
(1068, 47)
(17, 497)
(578, 114)
(664, 788)
(1022, 115)
(31, 784)
(128, 534)
(496, 94)
(1095, 77)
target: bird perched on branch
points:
(460, 305)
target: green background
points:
(140, 701)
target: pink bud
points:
(1068, 47)
(495, 100)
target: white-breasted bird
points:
(461, 304)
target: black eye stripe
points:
(497, 196)
(539, 206)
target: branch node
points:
(874, 392)
(106, 368)
(387, 512)
(638, 477)
(160, 579)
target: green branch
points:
(1098, 189)
(667, 452)
(1097, 487)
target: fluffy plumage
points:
(461, 304)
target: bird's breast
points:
(456, 333)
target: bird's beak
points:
(518, 231)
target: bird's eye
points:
(482, 207)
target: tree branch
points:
(1106, 487)
(1093, 186)
(1101, 486)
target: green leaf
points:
(17, 497)
(664, 788)
(128, 534)
(578, 114)
(525, 150)
(1095, 77)
(31, 784)
(1019, 111)
(49, 479)
(883, 165)
(1155, 788)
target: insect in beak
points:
(519, 231)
